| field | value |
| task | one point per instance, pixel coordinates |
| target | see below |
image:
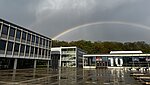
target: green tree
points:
(99, 47)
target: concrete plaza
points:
(66, 76)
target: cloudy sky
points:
(51, 17)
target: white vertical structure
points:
(69, 56)
(17, 42)
(15, 64)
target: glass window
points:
(16, 47)
(22, 48)
(46, 53)
(2, 44)
(39, 51)
(29, 37)
(27, 49)
(43, 52)
(0, 26)
(12, 32)
(33, 38)
(10, 46)
(49, 53)
(36, 50)
(32, 50)
(49, 44)
(46, 42)
(37, 39)
(24, 35)
(18, 34)
(41, 41)
(5, 30)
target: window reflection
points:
(12, 32)
(9, 48)
(16, 49)
(5, 30)
(27, 50)
(39, 52)
(28, 38)
(2, 46)
(18, 34)
(24, 35)
(37, 39)
(33, 38)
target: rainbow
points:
(98, 23)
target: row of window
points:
(25, 36)
(69, 49)
(29, 49)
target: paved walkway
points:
(66, 76)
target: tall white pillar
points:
(15, 63)
(48, 64)
(83, 62)
(35, 64)
(60, 61)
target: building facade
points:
(68, 56)
(117, 59)
(17, 42)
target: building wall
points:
(17, 42)
(119, 60)
(80, 54)
(70, 56)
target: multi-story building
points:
(18, 43)
(68, 56)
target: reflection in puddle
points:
(68, 76)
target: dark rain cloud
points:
(51, 17)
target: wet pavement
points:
(66, 76)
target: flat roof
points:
(63, 47)
(59, 48)
(7, 22)
(114, 55)
(125, 52)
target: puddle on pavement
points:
(69, 76)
